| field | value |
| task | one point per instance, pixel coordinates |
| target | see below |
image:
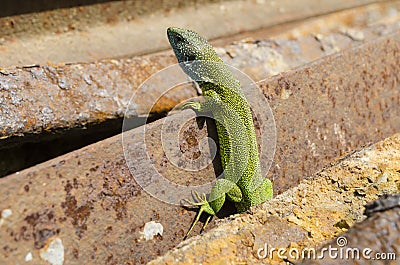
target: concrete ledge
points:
(375, 240)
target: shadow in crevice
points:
(19, 7)
(18, 153)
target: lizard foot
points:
(204, 207)
(200, 200)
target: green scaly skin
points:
(242, 182)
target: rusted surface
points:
(374, 241)
(60, 104)
(90, 201)
(332, 106)
(297, 222)
(40, 17)
(263, 58)
(37, 99)
(48, 98)
(122, 28)
(62, 108)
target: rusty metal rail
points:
(88, 202)
(112, 29)
(64, 107)
(37, 98)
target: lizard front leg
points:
(211, 103)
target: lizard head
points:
(190, 46)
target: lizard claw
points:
(200, 200)
(204, 207)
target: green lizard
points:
(242, 181)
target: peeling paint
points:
(53, 252)
(6, 213)
(152, 229)
(28, 257)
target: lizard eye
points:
(179, 38)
